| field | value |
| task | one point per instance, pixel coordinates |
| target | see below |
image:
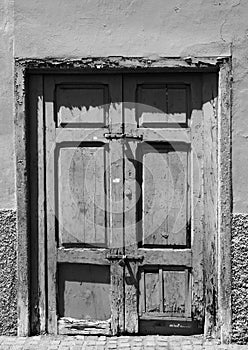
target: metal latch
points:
(115, 136)
(123, 259)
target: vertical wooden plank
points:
(22, 203)
(116, 206)
(197, 214)
(157, 195)
(130, 199)
(224, 202)
(116, 237)
(161, 290)
(178, 201)
(142, 296)
(50, 146)
(174, 293)
(152, 291)
(41, 213)
(187, 293)
(209, 107)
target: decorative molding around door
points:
(124, 196)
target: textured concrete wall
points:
(240, 278)
(8, 311)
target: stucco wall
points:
(80, 28)
(7, 183)
(62, 28)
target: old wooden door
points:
(124, 203)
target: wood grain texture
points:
(165, 293)
(157, 256)
(83, 256)
(81, 195)
(50, 205)
(71, 326)
(77, 135)
(84, 291)
(171, 135)
(165, 195)
(116, 238)
(209, 107)
(197, 207)
(131, 192)
(152, 292)
(116, 207)
(175, 292)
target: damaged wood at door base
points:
(70, 326)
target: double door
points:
(124, 203)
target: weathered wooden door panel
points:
(80, 161)
(81, 180)
(83, 292)
(163, 210)
(162, 105)
(165, 292)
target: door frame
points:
(217, 318)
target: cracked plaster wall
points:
(81, 28)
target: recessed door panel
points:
(84, 291)
(165, 292)
(165, 197)
(84, 105)
(162, 105)
(81, 198)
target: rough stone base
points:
(240, 278)
(8, 278)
